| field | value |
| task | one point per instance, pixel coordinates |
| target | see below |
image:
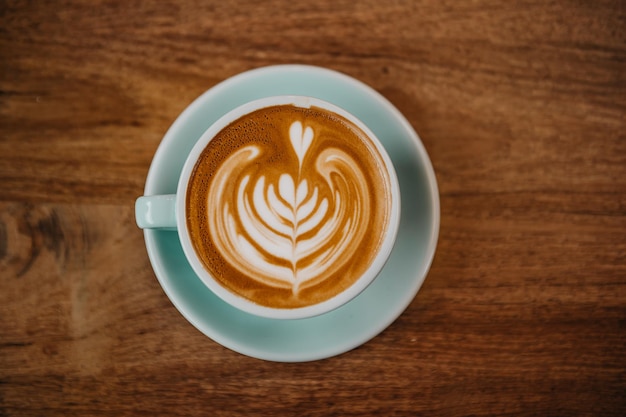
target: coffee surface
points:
(286, 206)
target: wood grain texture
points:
(521, 106)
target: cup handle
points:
(156, 212)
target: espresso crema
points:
(287, 206)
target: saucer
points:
(378, 305)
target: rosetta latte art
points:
(298, 230)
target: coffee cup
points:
(287, 207)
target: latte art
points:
(286, 206)
(285, 234)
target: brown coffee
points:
(287, 206)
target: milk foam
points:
(283, 233)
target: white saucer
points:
(375, 308)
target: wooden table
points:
(521, 106)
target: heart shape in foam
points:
(300, 139)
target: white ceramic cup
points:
(167, 212)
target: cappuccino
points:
(287, 206)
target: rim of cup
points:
(245, 304)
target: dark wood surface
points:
(521, 106)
